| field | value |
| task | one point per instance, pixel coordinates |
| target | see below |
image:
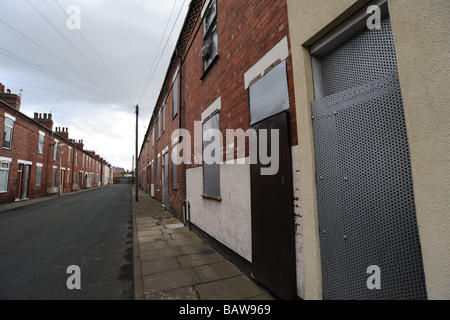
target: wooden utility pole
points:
(137, 159)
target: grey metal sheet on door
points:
(365, 194)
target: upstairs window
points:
(41, 142)
(210, 36)
(159, 124)
(211, 172)
(175, 97)
(7, 138)
(55, 151)
(164, 118)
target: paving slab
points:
(161, 253)
(153, 238)
(186, 293)
(217, 271)
(150, 228)
(164, 281)
(149, 233)
(152, 245)
(173, 263)
(236, 288)
(196, 248)
(199, 259)
(175, 230)
(160, 265)
(184, 242)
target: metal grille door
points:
(364, 185)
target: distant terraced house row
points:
(37, 161)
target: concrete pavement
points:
(173, 263)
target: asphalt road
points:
(92, 230)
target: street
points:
(91, 230)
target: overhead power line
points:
(59, 59)
(43, 70)
(72, 45)
(151, 74)
(98, 57)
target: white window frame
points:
(9, 123)
(159, 124)
(4, 160)
(54, 175)
(211, 111)
(39, 167)
(209, 32)
(175, 89)
(41, 142)
(55, 150)
(163, 118)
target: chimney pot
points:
(36, 115)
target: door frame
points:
(284, 281)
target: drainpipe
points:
(180, 138)
(180, 57)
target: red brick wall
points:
(25, 147)
(247, 30)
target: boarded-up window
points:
(269, 95)
(211, 172)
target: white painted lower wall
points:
(229, 221)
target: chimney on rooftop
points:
(45, 120)
(63, 132)
(11, 99)
(79, 144)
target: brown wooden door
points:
(273, 246)
(19, 182)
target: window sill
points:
(204, 196)
(213, 62)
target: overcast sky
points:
(60, 73)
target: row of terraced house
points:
(37, 160)
(324, 184)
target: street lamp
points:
(57, 145)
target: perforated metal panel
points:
(364, 186)
(269, 95)
(353, 64)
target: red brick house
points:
(231, 75)
(34, 158)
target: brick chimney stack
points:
(79, 144)
(45, 120)
(12, 99)
(63, 132)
